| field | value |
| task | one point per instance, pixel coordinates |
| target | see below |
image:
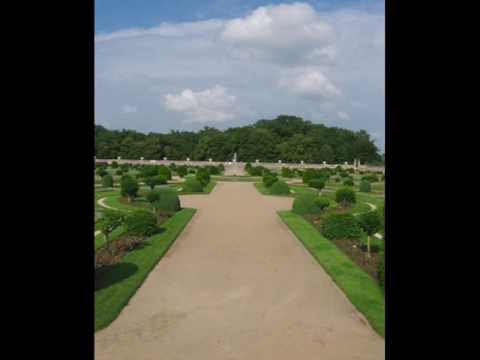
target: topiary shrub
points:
(182, 171)
(256, 171)
(343, 174)
(280, 188)
(348, 182)
(305, 204)
(365, 186)
(114, 165)
(269, 179)
(322, 202)
(165, 172)
(128, 187)
(141, 223)
(167, 202)
(341, 226)
(119, 172)
(192, 185)
(317, 183)
(287, 172)
(101, 171)
(345, 196)
(203, 176)
(156, 180)
(370, 221)
(107, 181)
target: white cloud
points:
(282, 59)
(343, 115)
(203, 106)
(129, 109)
(311, 84)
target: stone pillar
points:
(142, 158)
(324, 163)
(119, 158)
(210, 160)
(257, 161)
(346, 162)
(188, 159)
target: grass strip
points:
(120, 282)
(358, 286)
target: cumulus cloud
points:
(202, 106)
(279, 59)
(311, 84)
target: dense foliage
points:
(306, 204)
(288, 138)
(341, 226)
(317, 183)
(203, 176)
(192, 185)
(345, 196)
(280, 188)
(167, 201)
(365, 186)
(128, 187)
(269, 179)
(107, 181)
(141, 223)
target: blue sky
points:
(162, 65)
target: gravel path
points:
(238, 285)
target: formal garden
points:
(138, 216)
(339, 215)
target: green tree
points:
(109, 222)
(128, 187)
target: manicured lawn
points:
(357, 285)
(117, 284)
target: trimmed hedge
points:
(280, 188)
(168, 201)
(345, 196)
(107, 181)
(365, 186)
(203, 176)
(268, 179)
(306, 204)
(317, 183)
(192, 185)
(141, 223)
(341, 226)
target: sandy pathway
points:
(237, 284)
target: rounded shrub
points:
(182, 171)
(345, 196)
(101, 171)
(128, 187)
(114, 165)
(341, 226)
(280, 188)
(203, 176)
(370, 222)
(287, 172)
(119, 172)
(152, 196)
(370, 178)
(337, 179)
(305, 204)
(141, 223)
(269, 179)
(107, 181)
(192, 185)
(348, 182)
(317, 183)
(165, 172)
(322, 202)
(365, 186)
(168, 201)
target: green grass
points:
(120, 282)
(358, 286)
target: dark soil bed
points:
(351, 248)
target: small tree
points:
(107, 181)
(153, 197)
(370, 222)
(317, 183)
(322, 202)
(345, 196)
(141, 223)
(182, 171)
(101, 172)
(203, 176)
(128, 187)
(165, 172)
(109, 222)
(155, 180)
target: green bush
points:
(165, 172)
(365, 186)
(341, 226)
(168, 201)
(248, 167)
(337, 179)
(141, 223)
(192, 185)
(343, 174)
(173, 167)
(306, 204)
(182, 171)
(370, 221)
(156, 180)
(128, 187)
(125, 168)
(107, 181)
(348, 182)
(375, 243)
(147, 171)
(280, 188)
(212, 170)
(114, 165)
(322, 202)
(345, 196)
(119, 172)
(203, 176)
(256, 171)
(152, 196)
(269, 179)
(287, 172)
(101, 171)
(317, 183)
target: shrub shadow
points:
(111, 274)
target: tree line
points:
(286, 138)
